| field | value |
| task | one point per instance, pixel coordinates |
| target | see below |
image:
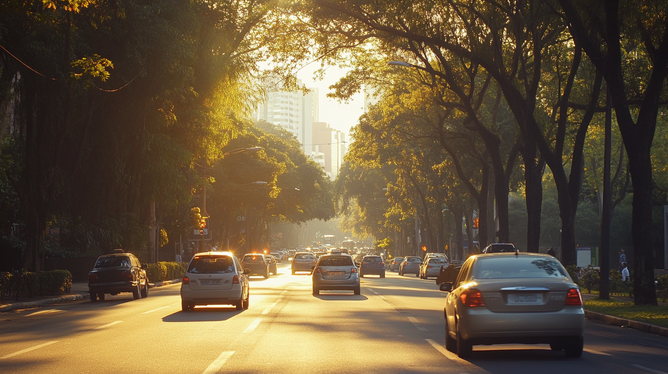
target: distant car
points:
(410, 265)
(499, 247)
(303, 261)
(501, 298)
(431, 266)
(272, 262)
(215, 278)
(278, 256)
(115, 273)
(256, 263)
(395, 262)
(372, 265)
(335, 272)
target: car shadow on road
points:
(339, 295)
(212, 313)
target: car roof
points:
(212, 253)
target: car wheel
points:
(417, 274)
(240, 303)
(144, 291)
(401, 273)
(357, 291)
(266, 275)
(185, 306)
(293, 272)
(136, 291)
(246, 302)
(382, 275)
(450, 342)
(100, 295)
(316, 291)
(556, 346)
(93, 296)
(574, 347)
(361, 275)
(464, 348)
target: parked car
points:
(513, 298)
(410, 265)
(372, 265)
(115, 273)
(256, 263)
(215, 278)
(272, 262)
(303, 261)
(431, 266)
(499, 247)
(335, 272)
(395, 263)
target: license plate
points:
(336, 273)
(524, 299)
(209, 281)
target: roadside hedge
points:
(164, 270)
(28, 284)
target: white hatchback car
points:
(513, 298)
(215, 278)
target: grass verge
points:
(656, 315)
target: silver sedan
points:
(513, 298)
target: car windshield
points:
(336, 261)
(503, 267)
(211, 265)
(113, 261)
(372, 259)
(253, 259)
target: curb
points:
(64, 298)
(623, 322)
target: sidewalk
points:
(78, 291)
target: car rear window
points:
(437, 261)
(113, 261)
(303, 257)
(211, 265)
(336, 261)
(373, 259)
(500, 267)
(413, 259)
(253, 259)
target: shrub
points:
(662, 287)
(163, 271)
(25, 283)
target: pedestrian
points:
(622, 259)
(550, 251)
(625, 272)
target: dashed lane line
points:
(108, 325)
(253, 325)
(27, 350)
(415, 322)
(155, 310)
(648, 369)
(218, 363)
(46, 311)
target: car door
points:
(451, 299)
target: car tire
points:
(293, 272)
(556, 346)
(574, 347)
(247, 302)
(100, 295)
(357, 291)
(450, 342)
(316, 291)
(401, 273)
(186, 306)
(382, 275)
(361, 275)
(93, 297)
(240, 303)
(144, 291)
(417, 275)
(464, 348)
(136, 291)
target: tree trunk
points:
(533, 176)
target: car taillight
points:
(573, 297)
(235, 280)
(186, 280)
(472, 298)
(92, 277)
(353, 270)
(382, 263)
(317, 270)
(363, 263)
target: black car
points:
(372, 265)
(115, 273)
(499, 247)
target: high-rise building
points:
(329, 145)
(293, 111)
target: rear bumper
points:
(338, 284)
(376, 271)
(112, 287)
(209, 297)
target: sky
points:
(340, 116)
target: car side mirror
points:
(445, 286)
(246, 271)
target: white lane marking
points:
(444, 352)
(597, 352)
(155, 310)
(270, 307)
(108, 325)
(27, 350)
(47, 311)
(218, 363)
(648, 369)
(253, 325)
(416, 323)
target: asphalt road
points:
(394, 326)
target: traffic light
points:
(202, 226)
(424, 248)
(195, 216)
(476, 222)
